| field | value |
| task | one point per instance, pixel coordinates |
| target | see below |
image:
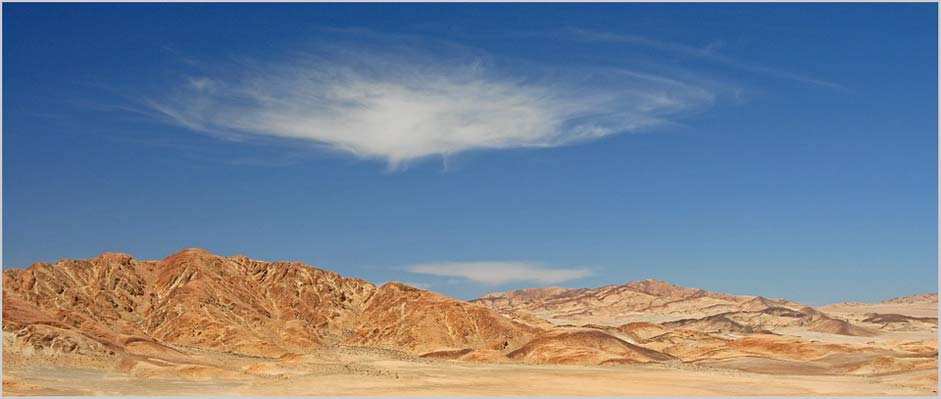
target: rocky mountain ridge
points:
(145, 317)
(234, 304)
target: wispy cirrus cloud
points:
(497, 272)
(709, 52)
(404, 102)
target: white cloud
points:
(495, 273)
(710, 52)
(399, 104)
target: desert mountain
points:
(640, 301)
(198, 315)
(769, 319)
(234, 304)
(909, 313)
(921, 298)
(584, 346)
(403, 317)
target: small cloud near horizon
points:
(500, 272)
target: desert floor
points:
(365, 373)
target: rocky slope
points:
(769, 319)
(404, 317)
(181, 314)
(640, 301)
(916, 313)
(584, 346)
(921, 298)
(114, 304)
(694, 326)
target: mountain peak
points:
(661, 288)
(920, 298)
(398, 286)
(191, 253)
(114, 256)
(197, 299)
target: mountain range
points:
(182, 313)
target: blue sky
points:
(782, 150)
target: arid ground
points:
(368, 374)
(200, 324)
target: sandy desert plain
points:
(199, 324)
